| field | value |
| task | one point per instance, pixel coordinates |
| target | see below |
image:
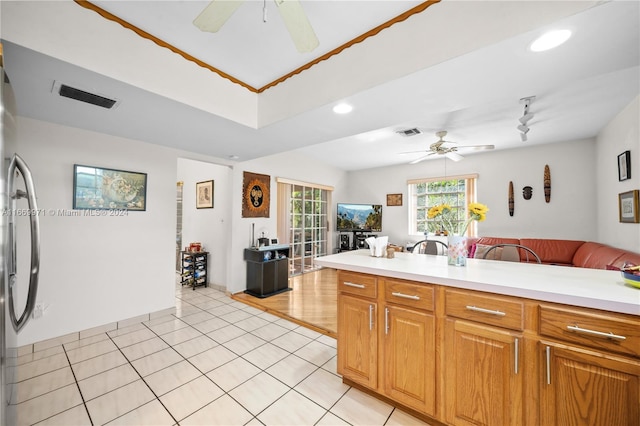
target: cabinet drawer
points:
(355, 283)
(408, 294)
(485, 308)
(602, 330)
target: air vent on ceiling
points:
(84, 96)
(409, 132)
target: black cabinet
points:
(194, 268)
(267, 270)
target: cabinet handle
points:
(370, 317)
(485, 311)
(517, 342)
(386, 320)
(347, 283)
(548, 351)
(405, 296)
(608, 335)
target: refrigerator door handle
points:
(18, 163)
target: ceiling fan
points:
(214, 16)
(447, 148)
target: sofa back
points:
(557, 252)
(560, 252)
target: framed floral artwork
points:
(256, 195)
(628, 207)
(204, 195)
(106, 189)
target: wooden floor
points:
(312, 302)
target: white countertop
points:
(589, 288)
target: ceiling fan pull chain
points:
(264, 11)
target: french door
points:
(307, 227)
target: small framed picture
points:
(628, 207)
(624, 166)
(204, 195)
(274, 241)
(394, 199)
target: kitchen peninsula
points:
(490, 343)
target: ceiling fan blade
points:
(476, 147)
(213, 17)
(298, 25)
(453, 156)
(424, 157)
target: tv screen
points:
(359, 217)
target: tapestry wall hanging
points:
(255, 195)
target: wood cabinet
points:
(464, 357)
(588, 376)
(358, 357)
(408, 345)
(484, 378)
(388, 338)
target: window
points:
(456, 191)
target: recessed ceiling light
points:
(342, 108)
(550, 40)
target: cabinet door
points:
(409, 357)
(483, 383)
(357, 340)
(582, 387)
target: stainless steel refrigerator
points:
(17, 203)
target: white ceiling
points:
(579, 86)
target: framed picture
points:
(624, 166)
(394, 199)
(204, 194)
(108, 189)
(255, 195)
(628, 207)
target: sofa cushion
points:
(559, 252)
(600, 256)
(509, 254)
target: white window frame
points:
(470, 197)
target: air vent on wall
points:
(84, 96)
(409, 132)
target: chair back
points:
(434, 247)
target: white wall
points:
(211, 227)
(569, 215)
(621, 134)
(292, 165)
(97, 270)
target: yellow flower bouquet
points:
(476, 211)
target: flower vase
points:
(457, 250)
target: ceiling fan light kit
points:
(447, 149)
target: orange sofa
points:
(583, 254)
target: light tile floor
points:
(215, 361)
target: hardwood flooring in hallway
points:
(312, 302)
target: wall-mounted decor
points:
(204, 194)
(108, 189)
(255, 195)
(394, 199)
(527, 192)
(628, 207)
(510, 199)
(547, 183)
(624, 166)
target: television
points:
(359, 217)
